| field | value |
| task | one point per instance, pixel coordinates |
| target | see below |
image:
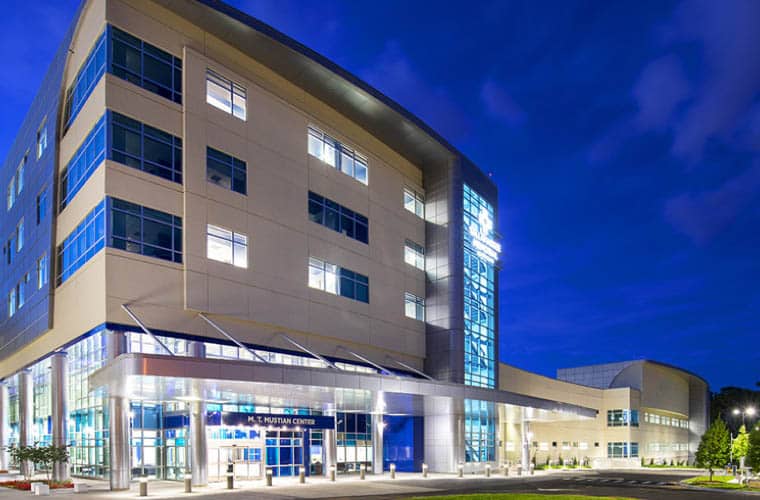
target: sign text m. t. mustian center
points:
(274, 420)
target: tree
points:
(753, 455)
(714, 447)
(740, 446)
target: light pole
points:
(748, 411)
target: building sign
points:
(277, 421)
(485, 246)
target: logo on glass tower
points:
(485, 246)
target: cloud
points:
(500, 105)
(661, 87)
(394, 74)
(702, 215)
(730, 39)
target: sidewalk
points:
(285, 488)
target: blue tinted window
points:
(146, 148)
(143, 230)
(354, 285)
(83, 242)
(338, 218)
(145, 65)
(226, 171)
(89, 75)
(84, 162)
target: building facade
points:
(223, 249)
(649, 413)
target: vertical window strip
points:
(85, 161)
(82, 243)
(87, 78)
(337, 155)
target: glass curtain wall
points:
(88, 427)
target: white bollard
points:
(488, 470)
(424, 470)
(362, 471)
(332, 473)
(460, 470)
(393, 471)
(143, 486)
(269, 477)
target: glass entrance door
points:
(284, 452)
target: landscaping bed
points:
(26, 485)
(720, 483)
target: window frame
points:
(233, 88)
(346, 221)
(414, 254)
(236, 165)
(237, 242)
(146, 216)
(318, 142)
(418, 305)
(42, 139)
(417, 201)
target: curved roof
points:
(322, 78)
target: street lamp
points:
(745, 412)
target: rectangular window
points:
(414, 307)
(225, 94)
(41, 141)
(618, 450)
(22, 290)
(82, 243)
(145, 65)
(414, 202)
(43, 202)
(337, 155)
(12, 302)
(145, 231)
(86, 159)
(414, 255)
(338, 218)
(10, 248)
(88, 76)
(226, 171)
(20, 235)
(227, 246)
(43, 271)
(323, 276)
(353, 285)
(145, 148)
(338, 281)
(20, 175)
(11, 198)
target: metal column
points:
(26, 415)
(59, 408)
(525, 450)
(330, 450)
(444, 433)
(378, 426)
(198, 445)
(4, 425)
(118, 424)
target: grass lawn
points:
(718, 482)
(517, 496)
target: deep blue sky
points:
(623, 136)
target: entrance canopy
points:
(151, 377)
